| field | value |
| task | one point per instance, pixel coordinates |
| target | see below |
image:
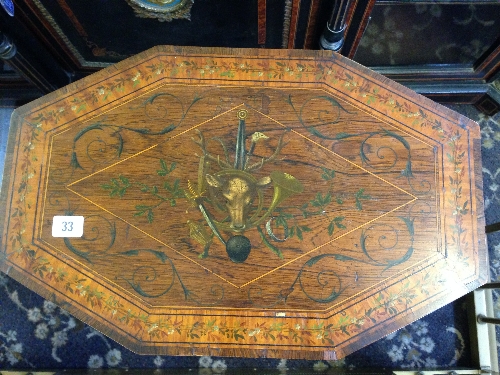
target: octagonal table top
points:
(267, 203)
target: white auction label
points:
(67, 226)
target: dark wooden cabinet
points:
(446, 50)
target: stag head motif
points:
(239, 191)
(236, 191)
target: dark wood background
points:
(446, 50)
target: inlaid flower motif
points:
(254, 332)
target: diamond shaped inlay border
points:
(317, 200)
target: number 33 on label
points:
(67, 226)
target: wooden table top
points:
(268, 203)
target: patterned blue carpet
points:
(36, 334)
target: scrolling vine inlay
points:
(224, 191)
(244, 201)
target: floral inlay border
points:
(390, 302)
(396, 299)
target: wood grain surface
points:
(268, 203)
